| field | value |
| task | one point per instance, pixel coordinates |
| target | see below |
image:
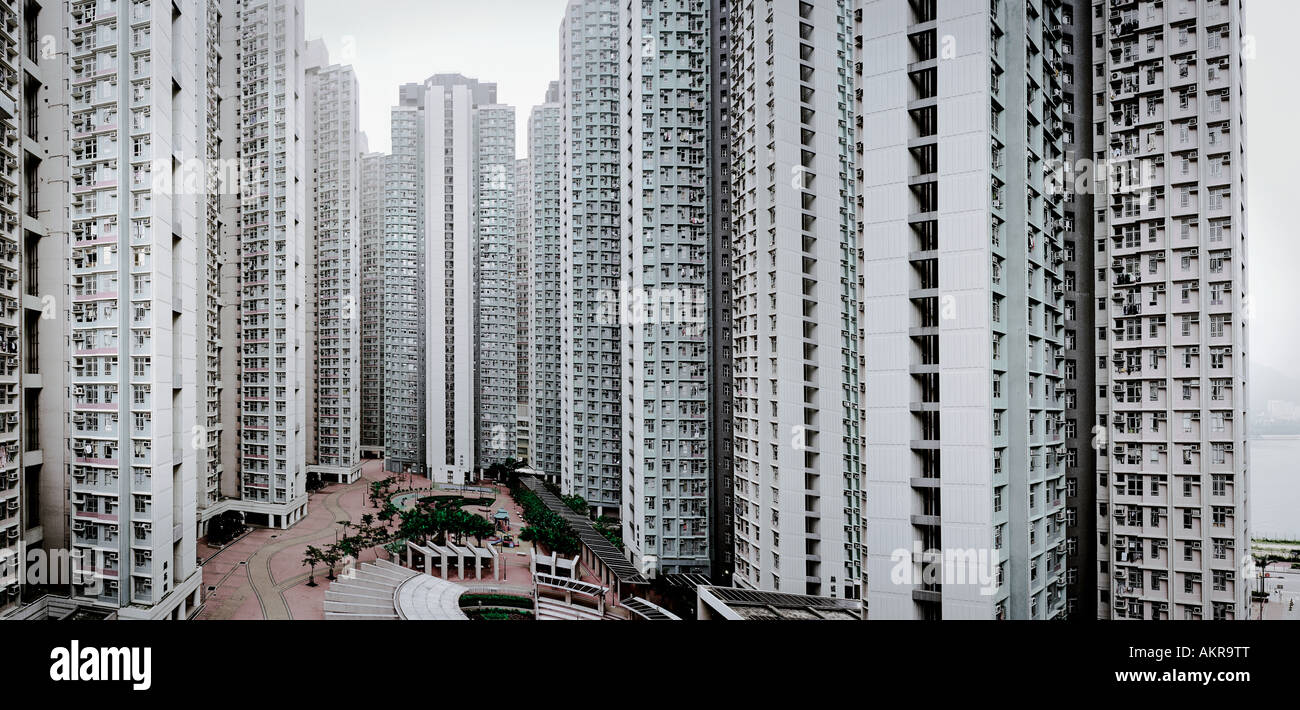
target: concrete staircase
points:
(367, 593)
(558, 610)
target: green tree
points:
(331, 556)
(312, 556)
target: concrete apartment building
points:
(272, 288)
(590, 256)
(373, 177)
(334, 276)
(449, 280)
(495, 284)
(209, 264)
(663, 277)
(1170, 281)
(721, 298)
(403, 275)
(963, 323)
(545, 153)
(162, 260)
(644, 273)
(21, 231)
(523, 277)
(1080, 315)
(141, 98)
(889, 282)
(797, 301)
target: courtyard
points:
(261, 575)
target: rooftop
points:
(610, 556)
(737, 604)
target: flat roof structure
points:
(648, 611)
(596, 547)
(737, 604)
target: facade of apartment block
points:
(495, 266)
(373, 178)
(1171, 334)
(523, 278)
(590, 257)
(270, 224)
(139, 280)
(404, 288)
(796, 301)
(438, 232)
(963, 323)
(545, 152)
(334, 273)
(663, 280)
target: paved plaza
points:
(261, 576)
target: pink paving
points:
(261, 576)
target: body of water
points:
(1275, 487)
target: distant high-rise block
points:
(523, 278)
(335, 289)
(496, 268)
(449, 281)
(374, 176)
(545, 148)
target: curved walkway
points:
(261, 576)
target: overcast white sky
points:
(516, 44)
(1272, 200)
